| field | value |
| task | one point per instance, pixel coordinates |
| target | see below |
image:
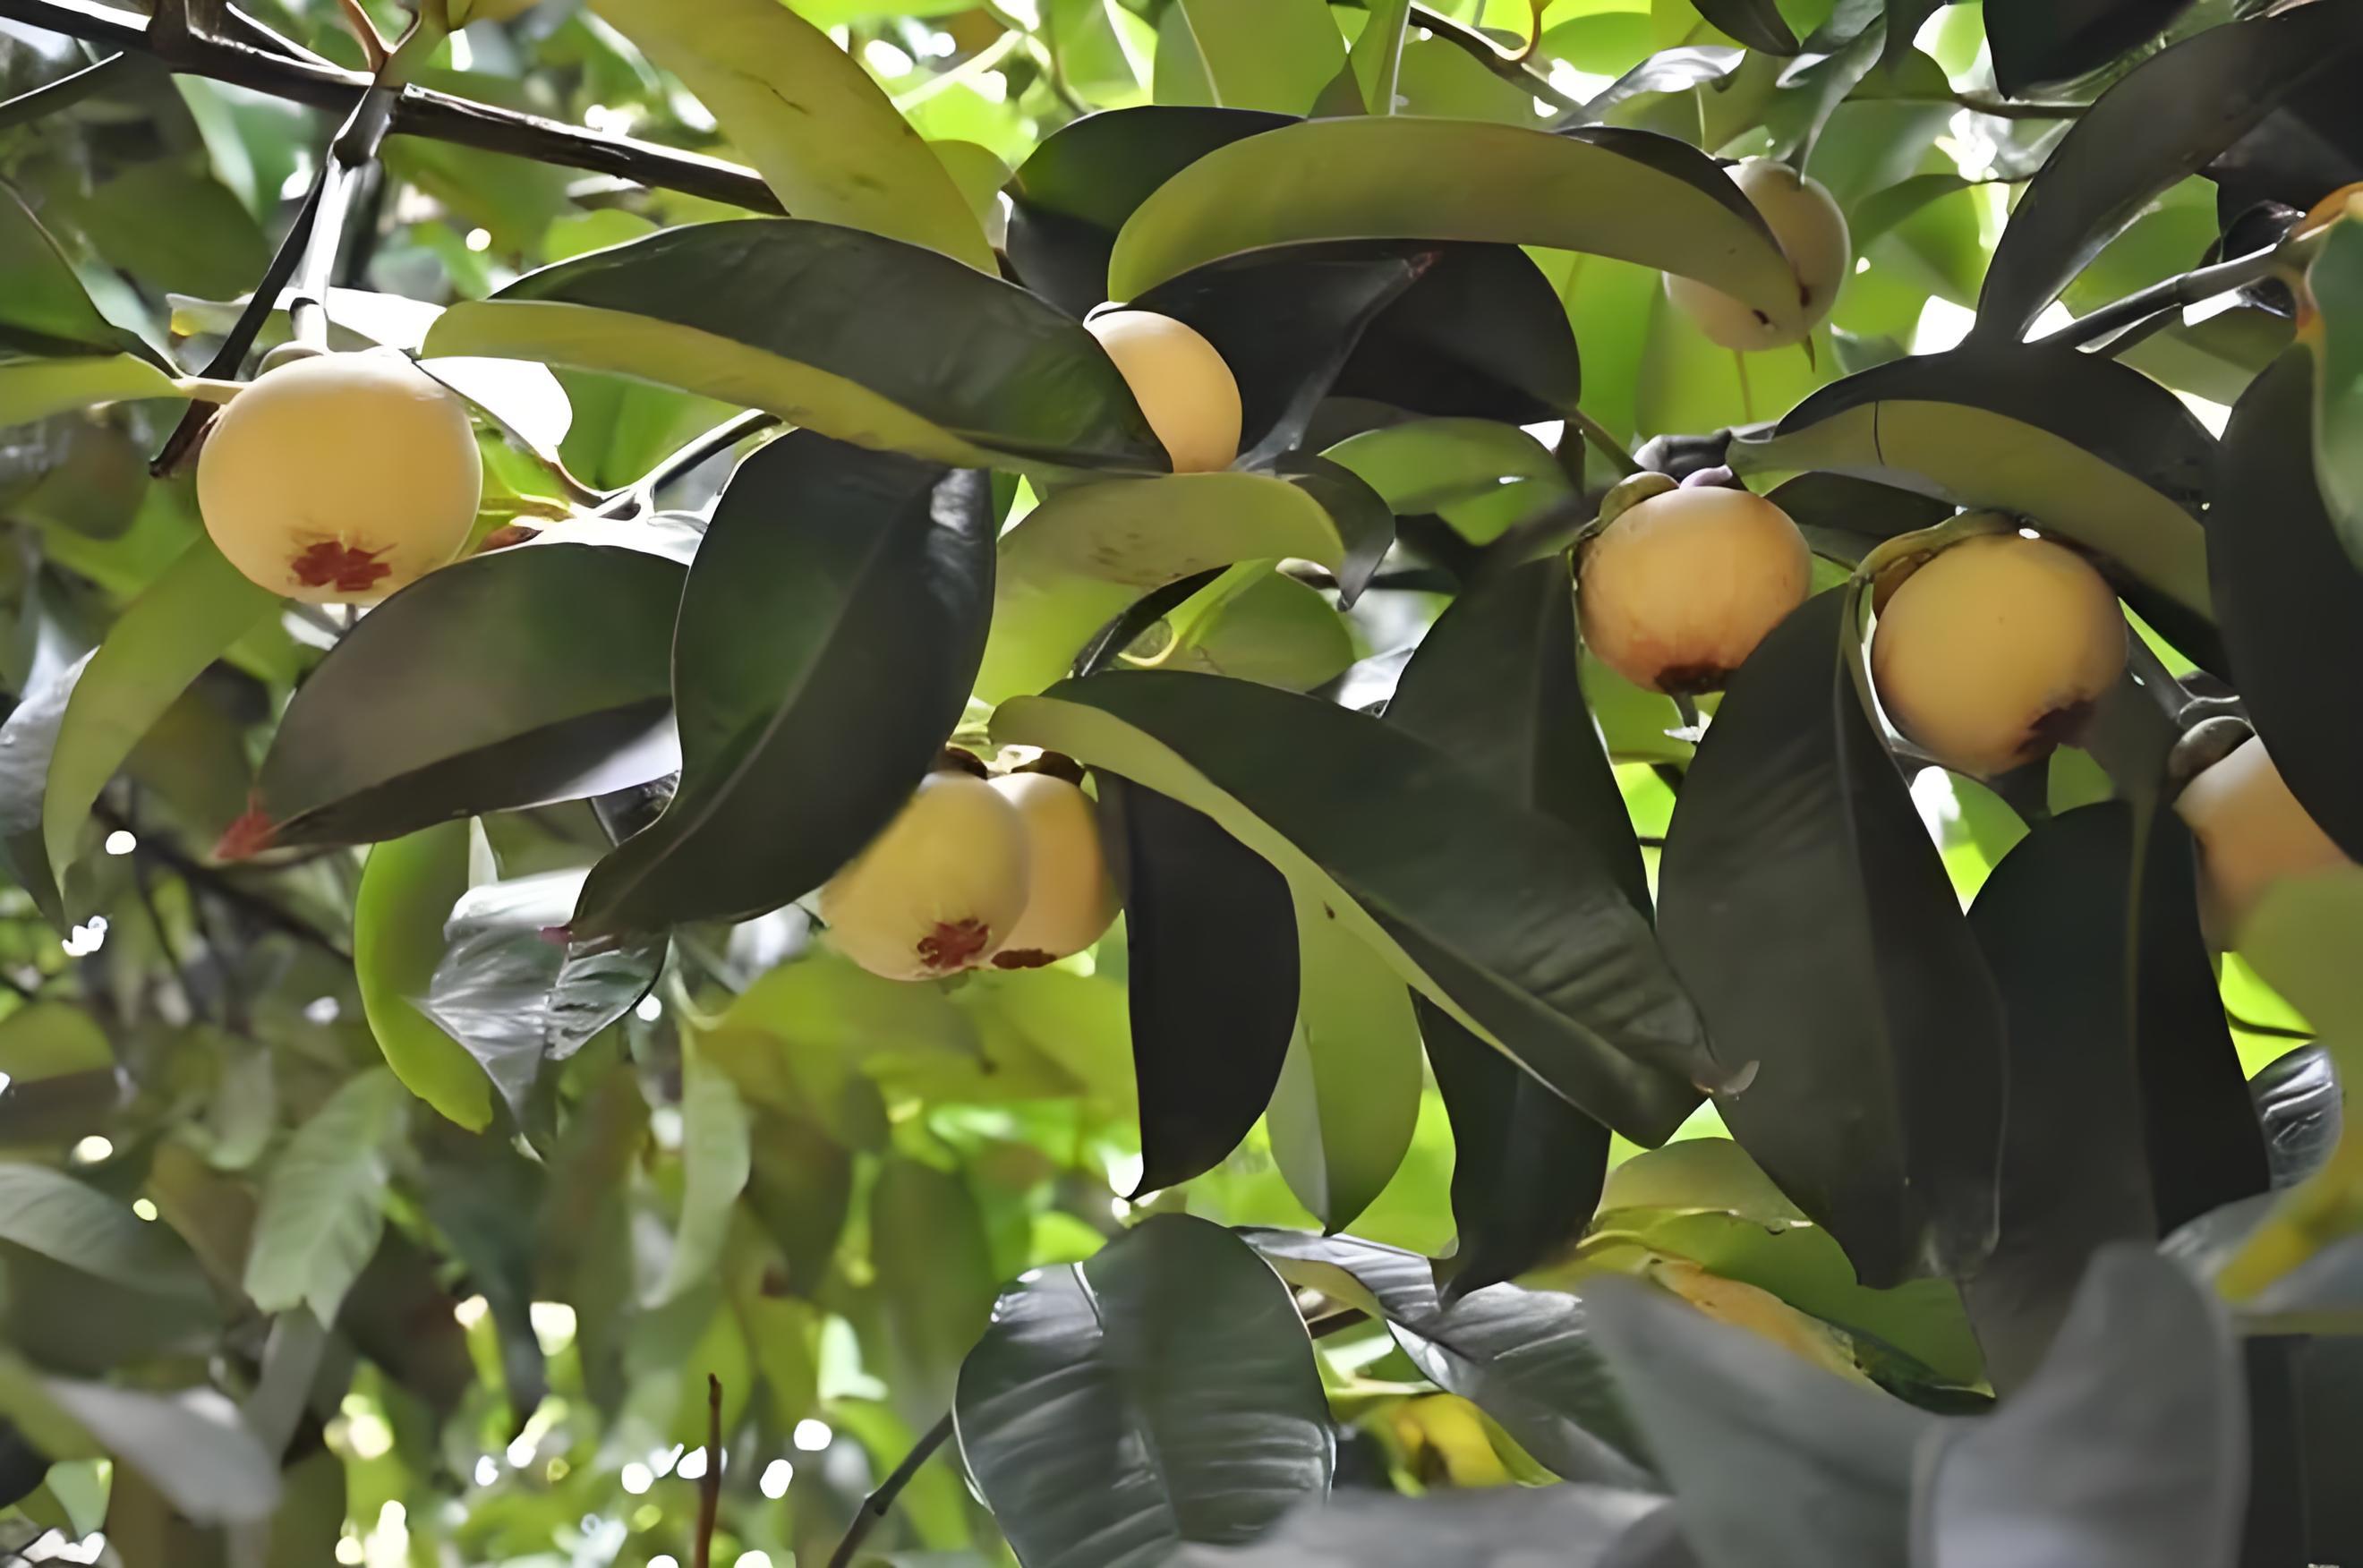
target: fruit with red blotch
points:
(1678, 587)
(1993, 651)
(1070, 900)
(2252, 832)
(940, 890)
(1812, 232)
(340, 478)
(1179, 378)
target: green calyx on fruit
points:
(1811, 231)
(1993, 651)
(2252, 832)
(1681, 584)
(340, 478)
(1070, 900)
(1183, 387)
(939, 889)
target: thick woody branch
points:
(435, 116)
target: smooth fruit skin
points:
(1992, 653)
(2252, 832)
(340, 478)
(940, 890)
(1677, 591)
(1181, 382)
(1070, 900)
(1810, 230)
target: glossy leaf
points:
(1582, 1525)
(2291, 600)
(828, 141)
(1482, 335)
(408, 887)
(1526, 1357)
(1756, 23)
(856, 336)
(1480, 476)
(2299, 1102)
(36, 388)
(1552, 964)
(2336, 281)
(2079, 445)
(2166, 118)
(321, 1214)
(1348, 1099)
(1806, 909)
(27, 741)
(1628, 194)
(49, 1213)
(1248, 54)
(838, 593)
(1198, 903)
(2036, 42)
(1161, 1394)
(512, 680)
(163, 641)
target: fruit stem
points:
(207, 389)
(2186, 289)
(641, 494)
(1604, 444)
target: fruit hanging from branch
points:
(1680, 584)
(2252, 832)
(1810, 230)
(340, 478)
(1070, 900)
(940, 890)
(1183, 387)
(1992, 652)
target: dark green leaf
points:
(84, 1230)
(1198, 904)
(2165, 119)
(507, 680)
(2291, 600)
(1806, 908)
(1527, 1356)
(26, 743)
(1551, 961)
(1482, 335)
(838, 593)
(1842, 517)
(1162, 1394)
(847, 334)
(484, 1203)
(1756, 23)
(2038, 42)
(1775, 1462)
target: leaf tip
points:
(250, 835)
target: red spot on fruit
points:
(954, 944)
(331, 563)
(253, 832)
(1022, 958)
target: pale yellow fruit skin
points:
(340, 478)
(1180, 383)
(940, 890)
(1985, 643)
(1070, 900)
(2252, 832)
(1679, 589)
(1811, 231)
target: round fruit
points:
(1181, 385)
(940, 890)
(340, 476)
(1071, 898)
(1810, 230)
(1994, 651)
(1680, 588)
(2252, 832)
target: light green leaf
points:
(2301, 938)
(1479, 475)
(49, 1040)
(408, 889)
(1347, 1100)
(35, 389)
(321, 1218)
(1377, 55)
(716, 1157)
(818, 129)
(163, 641)
(1248, 54)
(51, 1213)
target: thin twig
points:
(144, 885)
(875, 1507)
(640, 494)
(49, 97)
(1608, 446)
(1511, 67)
(709, 1486)
(2009, 109)
(189, 868)
(2188, 289)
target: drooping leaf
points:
(1806, 909)
(161, 642)
(1552, 964)
(1606, 191)
(1777, 1463)
(513, 679)
(2166, 118)
(1248, 54)
(826, 139)
(1161, 1394)
(1756, 23)
(2291, 600)
(1348, 1099)
(845, 333)
(321, 1213)
(1198, 903)
(838, 593)
(407, 889)
(189, 1445)
(1526, 1357)
(2075, 443)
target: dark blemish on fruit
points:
(954, 944)
(1692, 679)
(2055, 729)
(1024, 958)
(331, 563)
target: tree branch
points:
(709, 1486)
(1510, 68)
(189, 868)
(437, 116)
(875, 1507)
(2174, 294)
